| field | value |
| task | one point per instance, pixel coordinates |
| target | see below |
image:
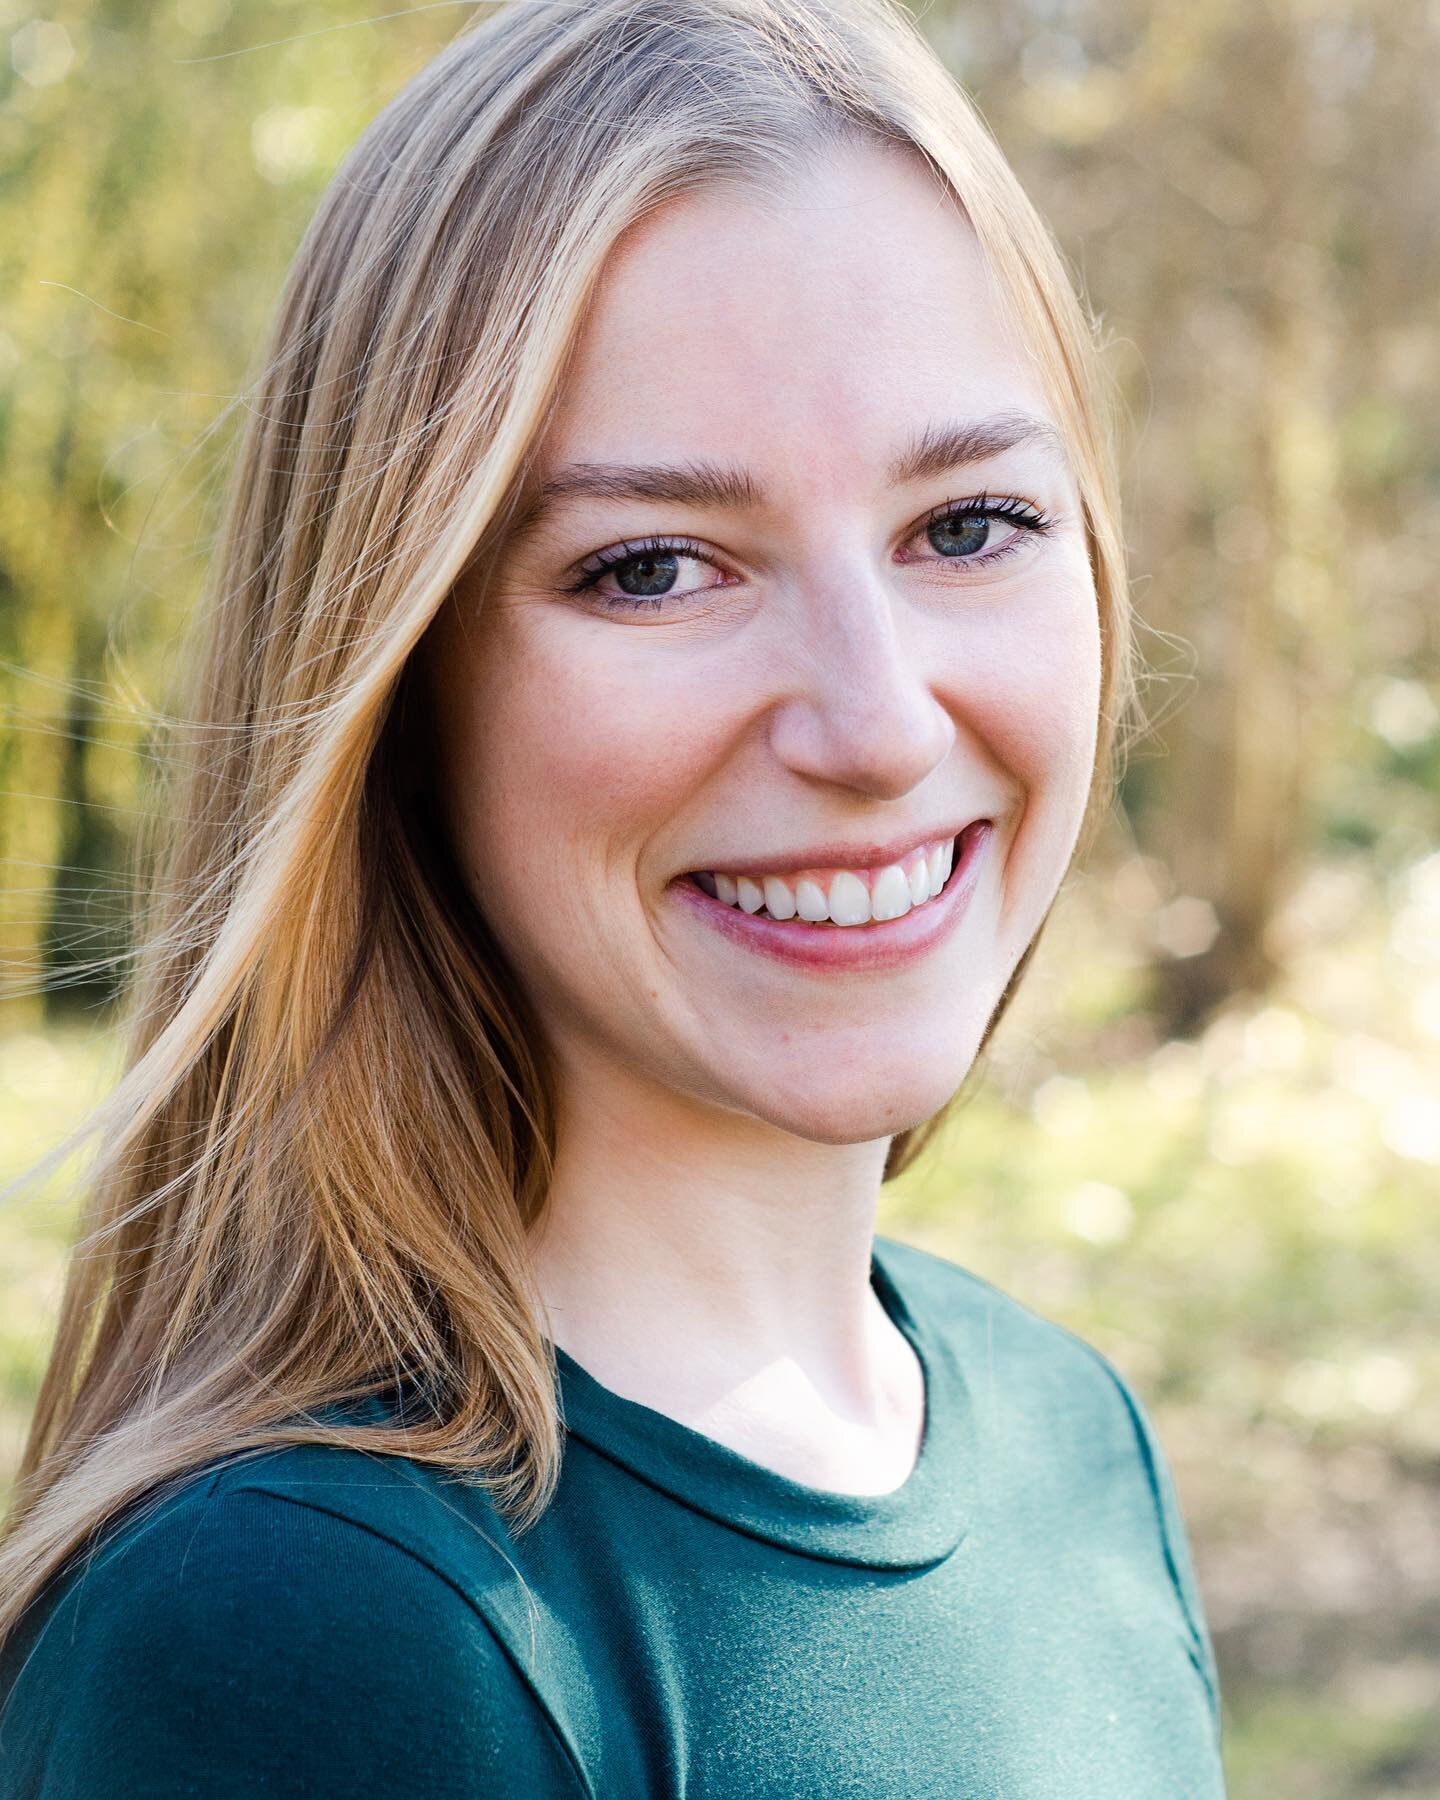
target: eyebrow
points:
(933, 450)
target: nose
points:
(861, 712)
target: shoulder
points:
(1056, 1390)
(1039, 1362)
(259, 1629)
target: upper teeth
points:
(843, 896)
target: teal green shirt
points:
(1018, 1621)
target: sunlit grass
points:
(46, 1084)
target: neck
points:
(703, 1261)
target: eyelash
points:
(1005, 507)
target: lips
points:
(876, 944)
(863, 859)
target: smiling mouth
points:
(845, 899)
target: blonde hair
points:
(335, 1120)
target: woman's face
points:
(808, 597)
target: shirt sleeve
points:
(248, 1644)
(1173, 1537)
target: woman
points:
(665, 650)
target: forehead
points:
(805, 330)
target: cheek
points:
(1028, 685)
(577, 745)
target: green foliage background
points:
(1210, 1135)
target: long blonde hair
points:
(334, 1123)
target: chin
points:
(860, 1105)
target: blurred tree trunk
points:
(1241, 812)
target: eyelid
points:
(1013, 506)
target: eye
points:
(647, 572)
(970, 532)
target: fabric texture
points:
(1018, 1621)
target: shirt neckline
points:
(915, 1525)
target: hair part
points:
(335, 1121)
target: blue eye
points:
(654, 562)
(960, 531)
(966, 533)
